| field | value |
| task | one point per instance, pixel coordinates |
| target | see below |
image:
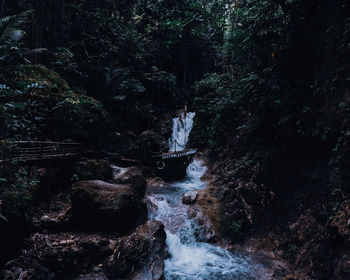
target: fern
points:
(11, 26)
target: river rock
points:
(189, 197)
(105, 205)
(206, 231)
(141, 255)
(131, 176)
(48, 222)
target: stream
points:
(190, 257)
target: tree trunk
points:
(3, 8)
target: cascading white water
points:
(182, 127)
(191, 259)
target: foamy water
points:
(189, 258)
(182, 127)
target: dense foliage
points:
(269, 81)
(284, 69)
(85, 70)
(277, 115)
(285, 80)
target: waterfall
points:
(182, 127)
(192, 259)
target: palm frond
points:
(11, 26)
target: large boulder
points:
(100, 204)
(141, 255)
(200, 221)
(131, 176)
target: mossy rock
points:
(97, 204)
(49, 79)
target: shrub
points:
(16, 194)
(79, 116)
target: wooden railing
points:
(38, 150)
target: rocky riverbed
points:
(114, 222)
(96, 230)
(101, 229)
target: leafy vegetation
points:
(17, 196)
(276, 119)
(273, 73)
(268, 80)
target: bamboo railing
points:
(39, 150)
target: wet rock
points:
(92, 169)
(104, 205)
(130, 176)
(157, 182)
(47, 219)
(210, 207)
(261, 249)
(48, 222)
(342, 220)
(189, 197)
(141, 255)
(206, 232)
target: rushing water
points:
(189, 258)
(182, 127)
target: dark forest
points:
(175, 140)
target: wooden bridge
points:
(28, 151)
